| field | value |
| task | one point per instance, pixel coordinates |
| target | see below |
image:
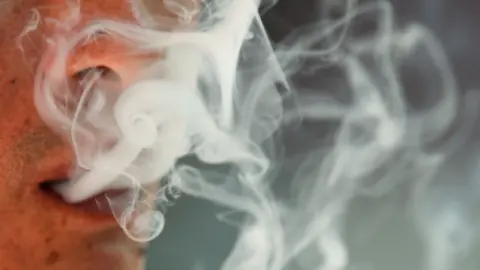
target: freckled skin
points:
(37, 230)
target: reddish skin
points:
(39, 231)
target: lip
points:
(93, 210)
(93, 213)
(91, 219)
(99, 203)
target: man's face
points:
(39, 230)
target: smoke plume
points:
(225, 95)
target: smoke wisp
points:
(223, 93)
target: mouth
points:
(95, 203)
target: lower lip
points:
(100, 203)
(97, 204)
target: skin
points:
(39, 230)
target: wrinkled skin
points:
(40, 231)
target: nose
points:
(120, 64)
(112, 56)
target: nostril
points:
(92, 85)
(97, 77)
(79, 76)
(104, 72)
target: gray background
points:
(193, 236)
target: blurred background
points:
(383, 239)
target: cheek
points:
(24, 138)
(28, 153)
(18, 114)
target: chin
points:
(107, 257)
(108, 252)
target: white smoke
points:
(222, 93)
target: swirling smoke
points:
(225, 95)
